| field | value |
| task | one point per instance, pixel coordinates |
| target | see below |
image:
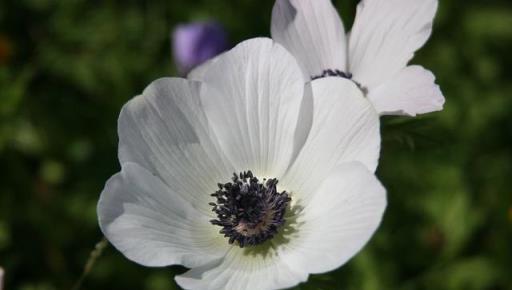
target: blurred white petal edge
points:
(1, 278)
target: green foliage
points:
(66, 68)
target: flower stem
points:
(95, 254)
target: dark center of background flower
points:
(249, 211)
(341, 74)
(332, 73)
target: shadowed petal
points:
(152, 225)
(165, 131)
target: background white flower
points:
(384, 37)
(1, 278)
(180, 138)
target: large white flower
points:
(303, 198)
(384, 37)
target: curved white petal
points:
(338, 221)
(412, 91)
(345, 128)
(252, 97)
(197, 73)
(152, 225)
(165, 131)
(313, 32)
(243, 269)
(385, 35)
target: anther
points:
(250, 212)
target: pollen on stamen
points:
(250, 212)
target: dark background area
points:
(67, 67)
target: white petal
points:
(152, 225)
(243, 269)
(338, 221)
(345, 128)
(412, 91)
(1, 278)
(305, 121)
(385, 35)
(197, 73)
(165, 131)
(313, 32)
(252, 97)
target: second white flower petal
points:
(412, 91)
(385, 35)
(313, 32)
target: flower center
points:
(341, 74)
(333, 73)
(249, 211)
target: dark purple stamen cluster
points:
(249, 212)
(339, 73)
(333, 73)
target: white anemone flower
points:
(249, 178)
(383, 39)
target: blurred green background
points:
(67, 67)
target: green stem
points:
(95, 254)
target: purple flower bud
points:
(197, 42)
